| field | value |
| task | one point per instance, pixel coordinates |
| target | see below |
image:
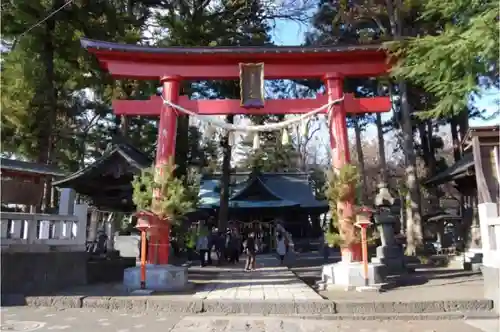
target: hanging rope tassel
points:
(305, 129)
(256, 141)
(231, 138)
(210, 130)
(285, 139)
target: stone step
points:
(413, 307)
(456, 315)
(307, 308)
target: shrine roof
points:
(442, 216)
(84, 179)
(293, 186)
(29, 167)
(462, 168)
(486, 134)
(288, 189)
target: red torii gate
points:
(175, 64)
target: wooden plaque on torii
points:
(252, 85)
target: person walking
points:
(190, 242)
(281, 247)
(202, 248)
(211, 244)
(220, 247)
(250, 250)
(235, 247)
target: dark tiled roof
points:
(28, 167)
(130, 154)
(293, 189)
(456, 171)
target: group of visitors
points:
(227, 245)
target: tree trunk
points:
(455, 139)
(414, 236)
(432, 166)
(361, 160)
(124, 125)
(381, 149)
(182, 145)
(225, 180)
(426, 157)
(463, 123)
(49, 108)
(425, 130)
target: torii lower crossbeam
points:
(153, 106)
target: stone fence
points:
(36, 232)
(42, 253)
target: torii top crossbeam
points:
(200, 63)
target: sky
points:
(292, 33)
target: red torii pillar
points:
(159, 240)
(339, 144)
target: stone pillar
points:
(110, 232)
(440, 232)
(389, 253)
(80, 229)
(4, 228)
(44, 232)
(475, 231)
(489, 219)
(17, 228)
(30, 230)
(94, 223)
(67, 202)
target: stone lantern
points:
(389, 252)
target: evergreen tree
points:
(45, 73)
(458, 60)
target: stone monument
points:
(389, 253)
(147, 278)
(158, 278)
(349, 275)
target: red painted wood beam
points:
(152, 71)
(153, 106)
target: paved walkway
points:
(84, 320)
(423, 285)
(269, 282)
